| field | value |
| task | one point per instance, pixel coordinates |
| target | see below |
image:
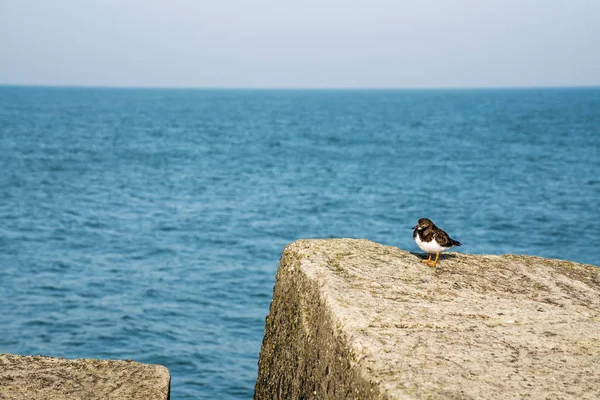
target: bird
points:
(432, 239)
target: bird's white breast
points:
(429, 247)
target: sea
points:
(147, 224)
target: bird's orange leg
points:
(434, 263)
(428, 260)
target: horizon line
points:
(297, 88)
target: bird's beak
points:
(415, 227)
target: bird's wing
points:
(443, 239)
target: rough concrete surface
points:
(352, 319)
(39, 377)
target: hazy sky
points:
(302, 43)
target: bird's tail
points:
(455, 242)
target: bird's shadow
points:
(425, 256)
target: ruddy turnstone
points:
(432, 239)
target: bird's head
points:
(423, 223)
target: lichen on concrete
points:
(48, 378)
(352, 319)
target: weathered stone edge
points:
(304, 354)
(35, 368)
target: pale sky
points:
(300, 44)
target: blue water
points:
(148, 224)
